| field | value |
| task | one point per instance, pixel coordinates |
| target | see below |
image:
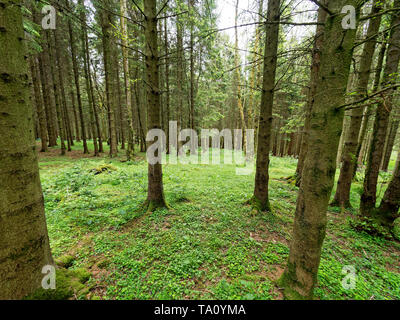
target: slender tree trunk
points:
(24, 242)
(237, 79)
(253, 73)
(45, 79)
(368, 198)
(130, 151)
(363, 140)
(77, 85)
(168, 94)
(388, 210)
(120, 109)
(261, 198)
(63, 100)
(315, 67)
(72, 96)
(106, 23)
(349, 160)
(95, 110)
(88, 78)
(39, 104)
(56, 88)
(179, 77)
(300, 275)
(155, 195)
(192, 66)
(389, 145)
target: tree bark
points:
(237, 80)
(363, 140)
(155, 195)
(130, 151)
(368, 198)
(24, 242)
(77, 85)
(389, 145)
(349, 159)
(106, 22)
(300, 275)
(88, 77)
(39, 104)
(388, 210)
(315, 66)
(56, 90)
(168, 94)
(261, 197)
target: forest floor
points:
(209, 245)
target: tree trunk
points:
(168, 94)
(389, 145)
(39, 104)
(261, 198)
(77, 85)
(106, 25)
(253, 73)
(95, 110)
(349, 159)
(179, 77)
(88, 78)
(72, 96)
(155, 195)
(300, 275)
(58, 48)
(237, 79)
(56, 88)
(24, 242)
(130, 151)
(315, 66)
(45, 79)
(388, 210)
(368, 198)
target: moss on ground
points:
(70, 284)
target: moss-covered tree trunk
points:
(315, 65)
(349, 159)
(261, 198)
(300, 275)
(24, 243)
(382, 116)
(155, 193)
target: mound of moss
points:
(69, 284)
